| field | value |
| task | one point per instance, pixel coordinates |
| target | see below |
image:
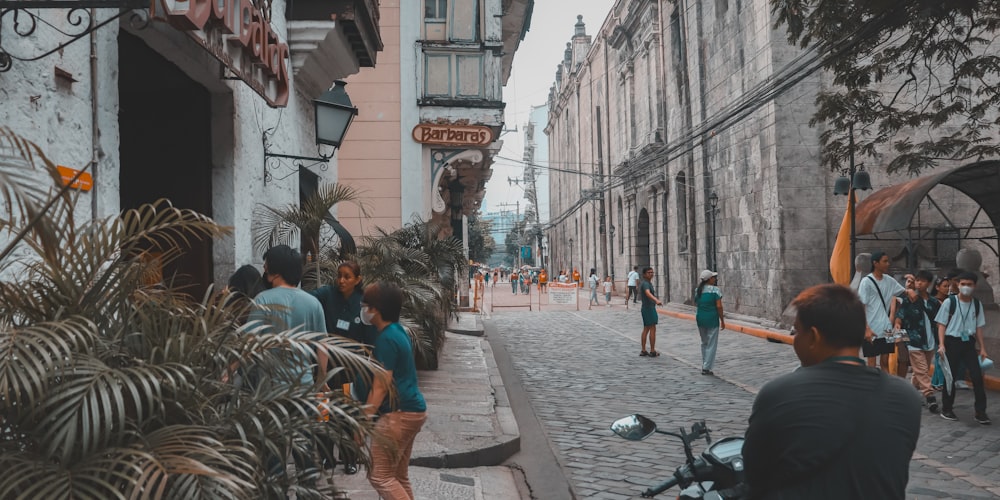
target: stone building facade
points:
(622, 112)
(171, 102)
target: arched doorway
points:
(642, 239)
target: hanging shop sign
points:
(452, 135)
(239, 34)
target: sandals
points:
(654, 354)
(643, 353)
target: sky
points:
(533, 72)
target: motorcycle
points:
(715, 475)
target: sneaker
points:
(960, 384)
(643, 353)
(654, 354)
(982, 419)
(937, 387)
(932, 405)
(707, 372)
(948, 415)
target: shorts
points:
(649, 317)
(877, 347)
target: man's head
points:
(383, 299)
(923, 281)
(647, 272)
(829, 320)
(635, 268)
(284, 262)
(952, 277)
(966, 283)
(880, 262)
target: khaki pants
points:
(921, 361)
(390, 474)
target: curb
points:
(990, 382)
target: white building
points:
(181, 103)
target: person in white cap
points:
(710, 318)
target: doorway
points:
(165, 121)
(642, 240)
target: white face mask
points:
(366, 315)
(965, 290)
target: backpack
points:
(953, 303)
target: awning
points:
(892, 208)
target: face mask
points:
(366, 315)
(965, 290)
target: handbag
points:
(878, 345)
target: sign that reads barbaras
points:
(239, 34)
(453, 135)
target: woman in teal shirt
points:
(708, 299)
(402, 417)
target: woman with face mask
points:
(342, 308)
(402, 416)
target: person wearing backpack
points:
(960, 339)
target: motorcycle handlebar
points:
(664, 486)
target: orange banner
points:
(840, 260)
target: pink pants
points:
(391, 453)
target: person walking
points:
(593, 281)
(401, 416)
(876, 290)
(514, 282)
(648, 311)
(709, 317)
(942, 289)
(543, 280)
(914, 315)
(486, 276)
(496, 277)
(960, 338)
(632, 282)
(609, 286)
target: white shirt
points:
(607, 286)
(965, 320)
(876, 309)
(594, 280)
(633, 277)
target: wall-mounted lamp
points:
(334, 114)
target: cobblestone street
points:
(582, 371)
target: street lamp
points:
(849, 181)
(713, 202)
(611, 256)
(334, 114)
(570, 270)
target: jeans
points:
(390, 474)
(966, 353)
(709, 344)
(593, 296)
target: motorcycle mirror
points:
(634, 427)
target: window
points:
(435, 9)
(682, 214)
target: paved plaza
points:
(582, 371)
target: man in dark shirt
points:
(833, 428)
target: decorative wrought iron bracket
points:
(25, 16)
(292, 163)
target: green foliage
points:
(481, 244)
(519, 235)
(923, 83)
(114, 386)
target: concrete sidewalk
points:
(470, 427)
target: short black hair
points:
(284, 261)
(834, 310)
(635, 268)
(246, 281)
(954, 273)
(924, 275)
(646, 269)
(877, 256)
(968, 276)
(386, 298)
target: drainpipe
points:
(95, 142)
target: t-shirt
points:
(593, 280)
(393, 350)
(608, 286)
(832, 431)
(633, 278)
(964, 322)
(343, 315)
(914, 317)
(647, 303)
(707, 315)
(877, 309)
(289, 308)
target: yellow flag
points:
(840, 260)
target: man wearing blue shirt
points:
(960, 338)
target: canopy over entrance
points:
(892, 208)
